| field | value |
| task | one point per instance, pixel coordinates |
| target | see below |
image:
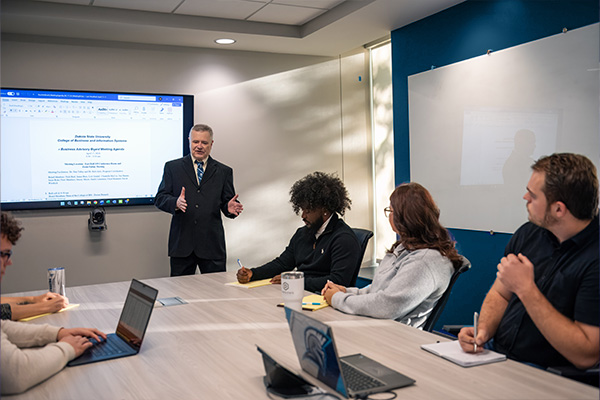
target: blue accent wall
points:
(461, 32)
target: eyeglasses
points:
(6, 254)
(387, 211)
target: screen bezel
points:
(188, 122)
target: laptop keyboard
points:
(356, 380)
(107, 348)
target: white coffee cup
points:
(292, 289)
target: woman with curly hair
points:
(326, 248)
(414, 273)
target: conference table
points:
(206, 349)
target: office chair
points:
(439, 306)
(590, 376)
(363, 236)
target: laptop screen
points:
(316, 350)
(136, 313)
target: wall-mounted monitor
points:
(75, 149)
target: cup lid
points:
(292, 275)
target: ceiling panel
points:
(325, 4)
(233, 9)
(326, 28)
(283, 14)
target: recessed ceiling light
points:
(225, 41)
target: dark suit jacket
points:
(200, 228)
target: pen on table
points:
(311, 304)
(475, 323)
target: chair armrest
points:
(590, 376)
(444, 334)
(452, 329)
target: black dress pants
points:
(187, 265)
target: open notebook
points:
(452, 351)
(311, 302)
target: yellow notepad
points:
(41, 315)
(312, 302)
(250, 285)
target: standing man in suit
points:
(195, 189)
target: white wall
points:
(275, 117)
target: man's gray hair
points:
(201, 128)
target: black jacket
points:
(334, 256)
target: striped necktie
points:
(200, 170)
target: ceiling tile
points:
(232, 9)
(324, 4)
(282, 14)
(330, 34)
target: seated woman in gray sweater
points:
(414, 274)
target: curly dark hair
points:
(10, 228)
(320, 190)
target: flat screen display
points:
(74, 149)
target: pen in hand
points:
(475, 323)
(243, 274)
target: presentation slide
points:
(477, 126)
(81, 149)
(90, 160)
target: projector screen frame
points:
(121, 201)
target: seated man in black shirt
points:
(326, 248)
(544, 305)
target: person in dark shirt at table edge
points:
(543, 308)
(326, 248)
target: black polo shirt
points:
(567, 275)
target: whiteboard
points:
(476, 126)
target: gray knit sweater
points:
(406, 286)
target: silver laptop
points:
(351, 376)
(131, 328)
